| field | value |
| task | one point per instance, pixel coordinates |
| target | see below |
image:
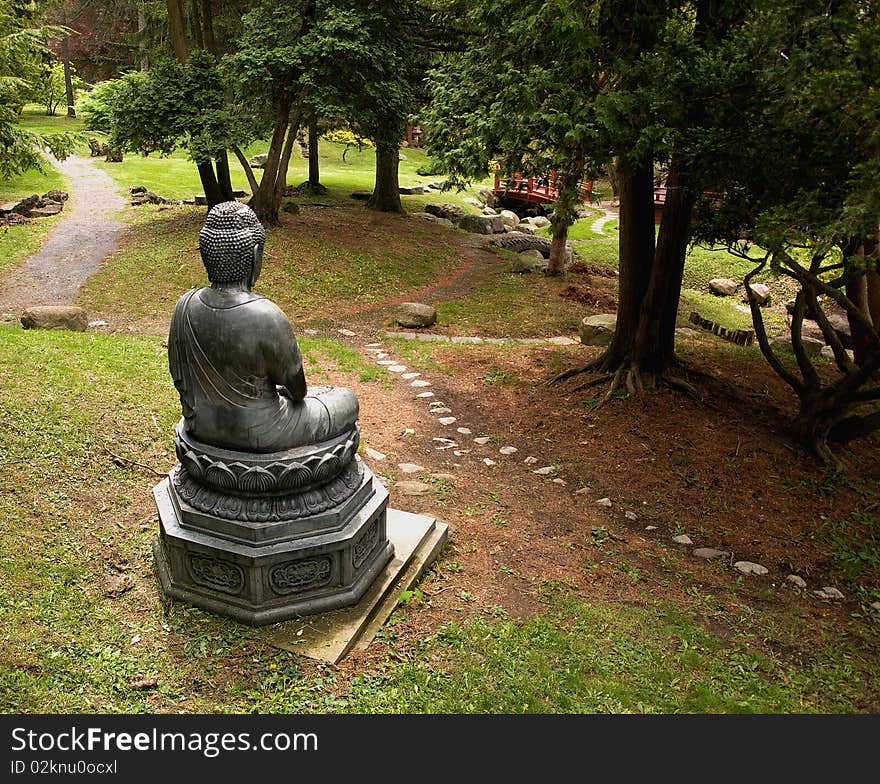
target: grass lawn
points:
(75, 511)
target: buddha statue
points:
(234, 358)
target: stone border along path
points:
(598, 225)
(73, 251)
(444, 417)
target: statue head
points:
(231, 243)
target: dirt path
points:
(86, 234)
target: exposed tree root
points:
(595, 382)
(590, 367)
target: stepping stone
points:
(460, 452)
(489, 462)
(465, 431)
(347, 332)
(380, 355)
(682, 539)
(558, 481)
(408, 376)
(447, 420)
(796, 580)
(444, 440)
(630, 515)
(445, 446)
(828, 592)
(482, 440)
(582, 491)
(440, 410)
(562, 341)
(373, 345)
(409, 487)
(530, 460)
(508, 450)
(425, 394)
(420, 383)
(604, 502)
(650, 527)
(410, 468)
(397, 368)
(385, 362)
(748, 567)
(545, 471)
(708, 553)
(373, 453)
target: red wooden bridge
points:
(534, 190)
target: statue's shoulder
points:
(185, 298)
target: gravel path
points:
(86, 234)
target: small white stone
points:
(488, 462)
(558, 481)
(682, 539)
(410, 468)
(708, 553)
(482, 440)
(97, 324)
(465, 431)
(420, 382)
(508, 450)
(604, 502)
(447, 420)
(397, 368)
(650, 527)
(545, 471)
(797, 580)
(408, 376)
(373, 345)
(347, 332)
(460, 452)
(829, 592)
(385, 362)
(408, 432)
(582, 491)
(630, 515)
(531, 461)
(373, 453)
(748, 567)
(425, 394)
(444, 440)
(440, 410)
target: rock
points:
(481, 224)
(425, 394)
(420, 383)
(449, 420)
(55, 317)
(748, 567)
(545, 471)
(687, 332)
(489, 461)
(527, 228)
(540, 221)
(451, 212)
(606, 502)
(510, 218)
(410, 487)
(723, 287)
(56, 195)
(259, 161)
(116, 585)
(598, 330)
(396, 368)
(529, 261)
(650, 527)
(812, 347)
(409, 376)
(412, 190)
(562, 340)
(840, 324)
(530, 460)
(796, 580)
(508, 450)
(408, 431)
(709, 553)
(401, 157)
(410, 468)
(473, 202)
(631, 516)
(441, 410)
(875, 605)
(465, 431)
(829, 592)
(97, 324)
(761, 292)
(375, 454)
(489, 211)
(558, 481)
(482, 440)
(414, 315)
(682, 539)
(362, 195)
(48, 209)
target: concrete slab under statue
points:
(270, 514)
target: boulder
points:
(486, 196)
(55, 317)
(25, 206)
(510, 218)
(481, 224)
(840, 324)
(259, 161)
(598, 330)
(527, 228)
(412, 190)
(539, 221)
(414, 315)
(489, 211)
(449, 211)
(362, 195)
(473, 202)
(530, 261)
(723, 287)
(433, 219)
(761, 292)
(48, 208)
(56, 195)
(812, 346)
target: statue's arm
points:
(284, 361)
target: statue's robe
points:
(237, 366)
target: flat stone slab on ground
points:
(709, 553)
(748, 567)
(412, 487)
(417, 540)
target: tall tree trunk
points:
(314, 167)
(654, 348)
(213, 194)
(636, 254)
(207, 17)
(223, 179)
(857, 291)
(386, 193)
(266, 200)
(177, 29)
(142, 26)
(68, 81)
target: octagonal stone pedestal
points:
(264, 573)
